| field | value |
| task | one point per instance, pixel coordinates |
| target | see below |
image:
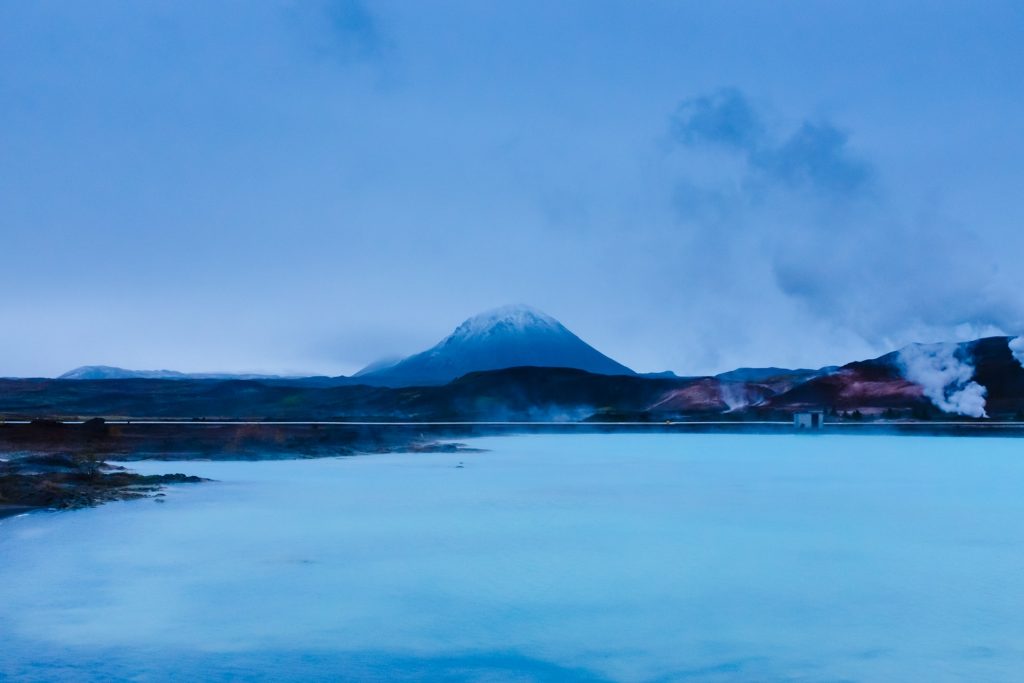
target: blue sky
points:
(305, 187)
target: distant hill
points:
(512, 336)
(378, 365)
(764, 374)
(110, 372)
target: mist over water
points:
(604, 557)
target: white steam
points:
(734, 395)
(1017, 349)
(945, 378)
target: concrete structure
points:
(811, 419)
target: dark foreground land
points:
(57, 465)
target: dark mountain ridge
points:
(516, 363)
(872, 387)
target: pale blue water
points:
(604, 557)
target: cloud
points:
(793, 211)
(723, 118)
(355, 27)
(945, 377)
(342, 30)
(1017, 348)
(816, 155)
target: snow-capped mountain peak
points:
(506, 337)
(516, 319)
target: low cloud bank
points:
(945, 377)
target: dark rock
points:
(63, 481)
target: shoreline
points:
(57, 465)
(67, 465)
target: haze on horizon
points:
(305, 187)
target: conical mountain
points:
(505, 337)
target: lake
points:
(622, 557)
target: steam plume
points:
(734, 395)
(1017, 349)
(945, 377)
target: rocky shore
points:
(64, 481)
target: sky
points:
(305, 187)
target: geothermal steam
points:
(734, 396)
(1017, 349)
(945, 378)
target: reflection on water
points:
(578, 558)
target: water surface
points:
(598, 557)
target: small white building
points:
(810, 419)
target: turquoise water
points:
(580, 558)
